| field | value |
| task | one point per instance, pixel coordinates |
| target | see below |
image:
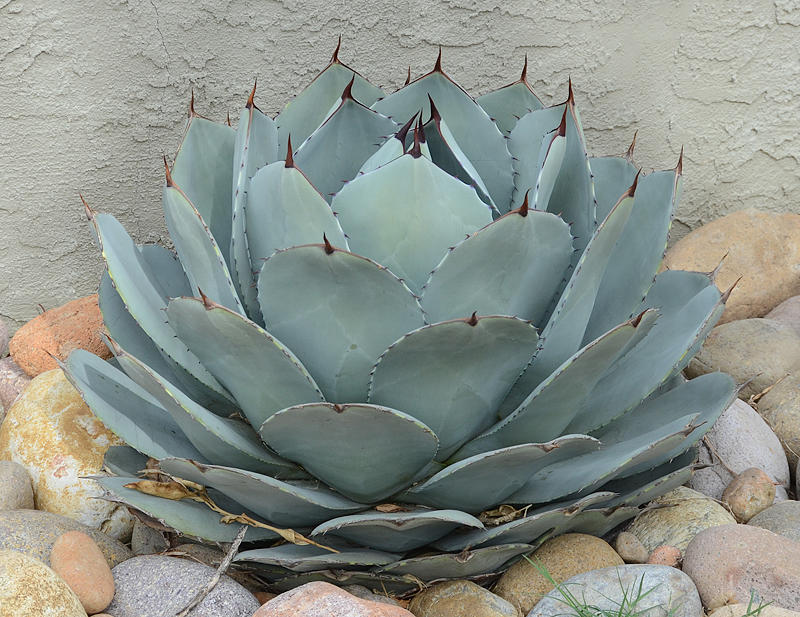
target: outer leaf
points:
(204, 170)
(284, 210)
(452, 375)
(392, 149)
(309, 558)
(262, 374)
(200, 255)
(638, 253)
(345, 313)
(461, 565)
(303, 114)
(335, 152)
(364, 434)
(510, 103)
(406, 214)
(474, 131)
(645, 486)
(537, 245)
(612, 175)
(281, 503)
(396, 532)
(124, 461)
(256, 145)
(126, 409)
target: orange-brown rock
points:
(665, 556)
(761, 247)
(78, 560)
(75, 325)
(320, 599)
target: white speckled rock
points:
(13, 381)
(156, 585)
(28, 588)
(671, 589)
(16, 492)
(742, 439)
(54, 435)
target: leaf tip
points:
(327, 245)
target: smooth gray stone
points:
(16, 492)
(156, 585)
(781, 518)
(146, 540)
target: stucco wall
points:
(92, 93)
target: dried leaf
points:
(167, 490)
(388, 508)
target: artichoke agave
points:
(416, 346)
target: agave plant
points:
(415, 346)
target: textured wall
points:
(92, 93)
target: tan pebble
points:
(264, 596)
(78, 560)
(749, 493)
(665, 556)
(630, 548)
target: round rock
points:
(16, 492)
(762, 248)
(13, 381)
(740, 439)
(155, 585)
(78, 560)
(780, 407)
(665, 556)
(781, 518)
(787, 312)
(52, 433)
(728, 561)
(563, 557)
(29, 588)
(320, 599)
(749, 493)
(745, 608)
(677, 517)
(146, 541)
(669, 592)
(630, 548)
(757, 351)
(452, 598)
(34, 532)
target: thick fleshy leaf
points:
(508, 104)
(335, 152)
(309, 558)
(460, 565)
(222, 440)
(612, 175)
(143, 295)
(256, 146)
(295, 504)
(124, 461)
(346, 312)
(189, 518)
(562, 336)
(536, 246)
(406, 214)
(453, 375)
(369, 440)
(284, 210)
(303, 114)
(396, 532)
(476, 134)
(598, 522)
(638, 253)
(392, 149)
(481, 481)
(257, 369)
(199, 253)
(204, 170)
(645, 486)
(125, 408)
(542, 523)
(587, 472)
(552, 406)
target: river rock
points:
(28, 588)
(34, 532)
(16, 492)
(78, 560)
(757, 351)
(749, 493)
(630, 548)
(671, 592)
(146, 541)
(781, 518)
(563, 557)
(359, 591)
(156, 585)
(762, 248)
(677, 517)
(320, 599)
(780, 407)
(741, 439)
(729, 561)
(13, 381)
(75, 325)
(745, 608)
(787, 312)
(52, 433)
(665, 556)
(460, 599)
